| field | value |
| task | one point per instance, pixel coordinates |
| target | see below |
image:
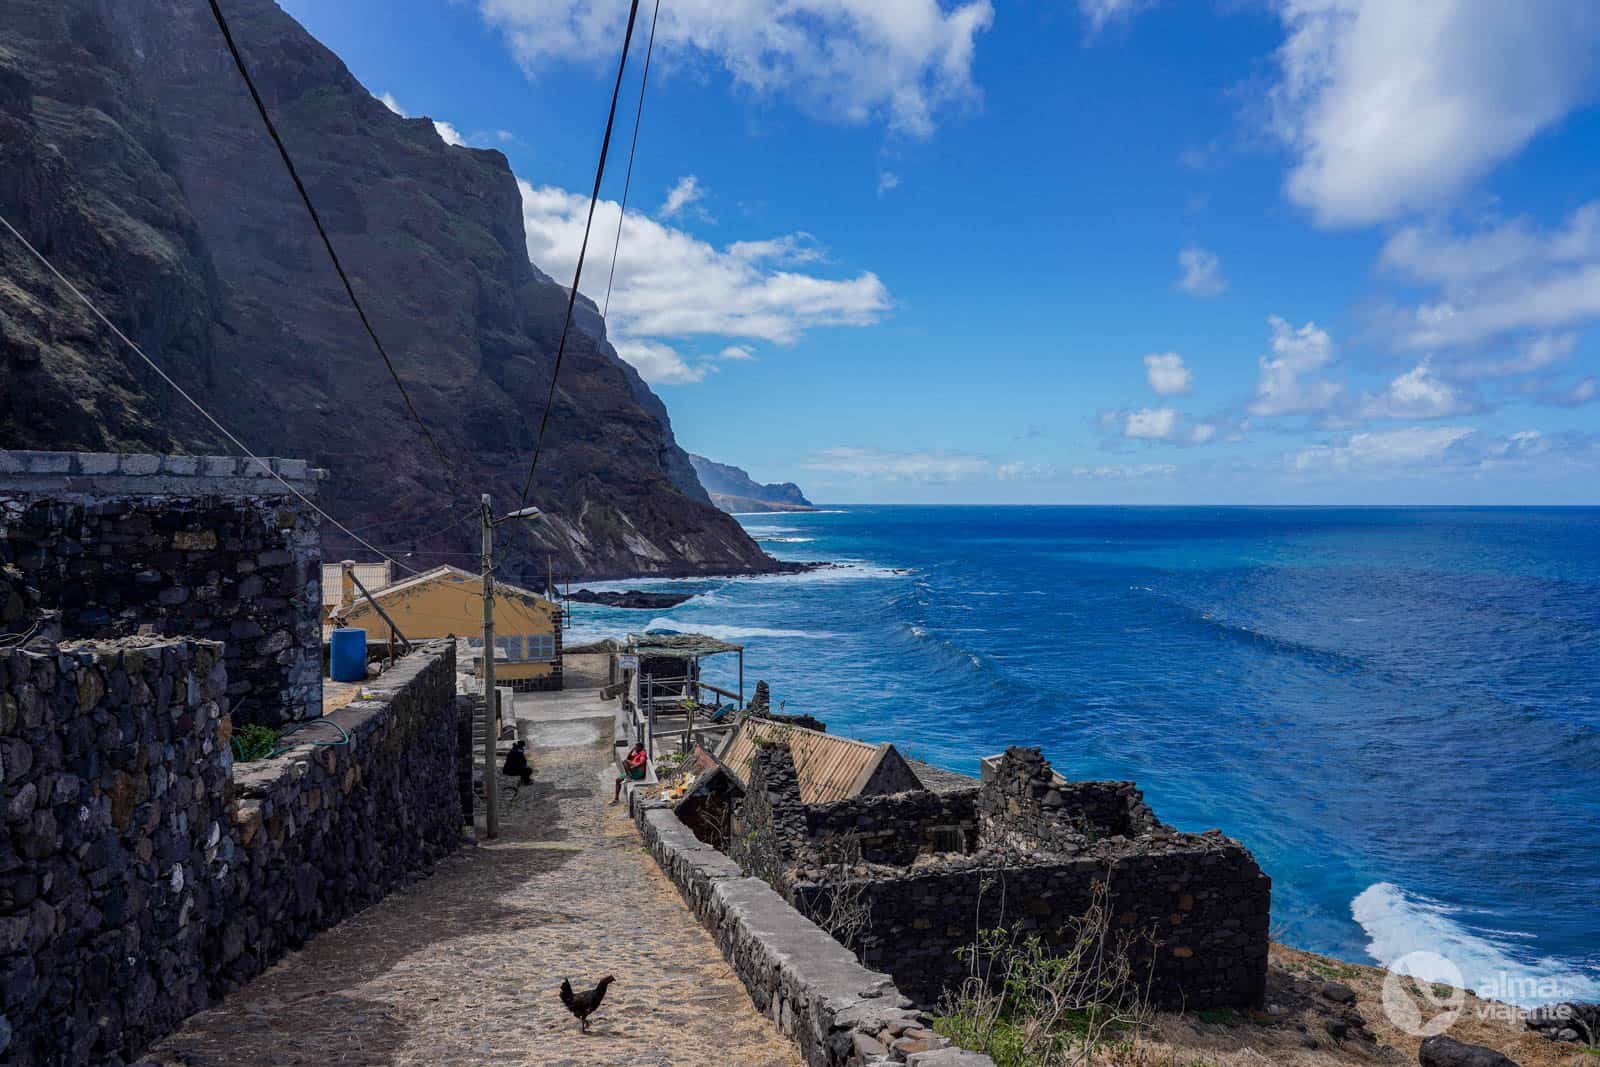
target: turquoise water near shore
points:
(1397, 710)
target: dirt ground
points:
(1232, 1040)
(464, 966)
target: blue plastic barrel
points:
(347, 654)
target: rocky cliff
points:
(131, 155)
(733, 490)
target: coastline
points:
(961, 626)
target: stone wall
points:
(769, 825)
(142, 874)
(1027, 806)
(1191, 915)
(1191, 910)
(837, 1011)
(331, 826)
(896, 828)
(116, 805)
(207, 547)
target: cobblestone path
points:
(463, 967)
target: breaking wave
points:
(1398, 923)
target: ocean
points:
(1397, 710)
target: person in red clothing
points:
(632, 767)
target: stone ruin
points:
(196, 547)
(1026, 851)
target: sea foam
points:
(1398, 923)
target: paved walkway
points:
(463, 967)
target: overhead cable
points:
(577, 275)
(266, 467)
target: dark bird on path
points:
(586, 1003)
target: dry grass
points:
(1187, 1041)
(1084, 1008)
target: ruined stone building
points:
(1024, 850)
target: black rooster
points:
(584, 1004)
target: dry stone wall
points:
(839, 1012)
(896, 828)
(1034, 854)
(1191, 918)
(142, 874)
(1026, 806)
(116, 807)
(208, 547)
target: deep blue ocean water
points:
(1397, 710)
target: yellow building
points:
(448, 601)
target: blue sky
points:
(1242, 251)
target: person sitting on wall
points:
(632, 768)
(517, 763)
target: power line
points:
(261, 108)
(460, 520)
(386, 523)
(572, 297)
(627, 183)
(265, 466)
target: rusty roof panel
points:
(830, 767)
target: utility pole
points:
(491, 698)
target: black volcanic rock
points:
(631, 598)
(131, 155)
(732, 489)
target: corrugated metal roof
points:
(449, 574)
(830, 767)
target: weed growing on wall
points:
(252, 742)
(1028, 1004)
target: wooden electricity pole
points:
(491, 699)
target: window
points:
(519, 648)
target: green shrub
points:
(254, 742)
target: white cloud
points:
(1391, 107)
(791, 250)
(1537, 353)
(851, 60)
(1024, 472)
(447, 133)
(1167, 374)
(1418, 394)
(1202, 272)
(1099, 13)
(1202, 432)
(671, 284)
(1151, 424)
(887, 180)
(1124, 472)
(687, 191)
(1502, 279)
(1381, 450)
(899, 466)
(1282, 388)
(657, 363)
(736, 352)
(1577, 395)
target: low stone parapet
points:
(840, 1013)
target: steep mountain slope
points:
(131, 155)
(734, 490)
